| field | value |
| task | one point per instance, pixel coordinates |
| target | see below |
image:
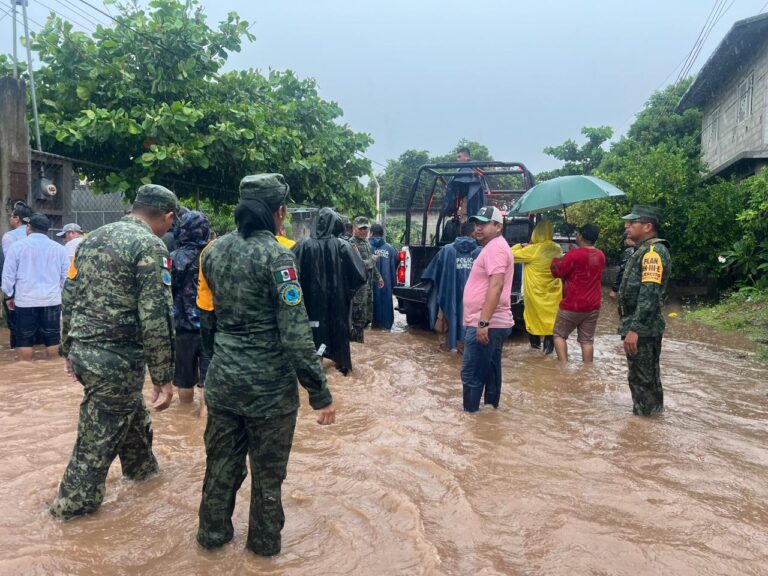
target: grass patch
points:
(745, 311)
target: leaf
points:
(83, 92)
(90, 113)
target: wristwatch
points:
(482, 324)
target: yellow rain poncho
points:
(541, 290)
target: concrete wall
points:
(14, 147)
(734, 137)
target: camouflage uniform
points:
(255, 324)
(640, 299)
(116, 317)
(362, 303)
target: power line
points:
(73, 8)
(718, 3)
(70, 19)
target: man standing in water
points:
(252, 302)
(487, 311)
(362, 305)
(116, 317)
(641, 297)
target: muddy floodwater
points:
(561, 479)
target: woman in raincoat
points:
(542, 291)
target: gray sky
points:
(513, 75)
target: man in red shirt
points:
(581, 271)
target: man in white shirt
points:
(73, 235)
(34, 273)
(18, 232)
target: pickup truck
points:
(439, 192)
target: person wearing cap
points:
(18, 232)
(73, 236)
(581, 271)
(191, 362)
(487, 311)
(117, 319)
(34, 273)
(252, 304)
(627, 249)
(362, 305)
(641, 298)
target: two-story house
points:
(731, 90)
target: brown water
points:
(562, 479)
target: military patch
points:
(72, 272)
(165, 262)
(653, 268)
(285, 275)
(291, 293)
(165, 276)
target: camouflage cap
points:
(272, 188)
(362, 222)
(640, 212)
(158, 197)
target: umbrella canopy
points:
(563, 191)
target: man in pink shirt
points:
(487, 311)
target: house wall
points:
(734, 137)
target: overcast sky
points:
(514, 75)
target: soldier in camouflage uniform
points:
(362, 304)
(116, 318)
(640, 298)
(255, 327)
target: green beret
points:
(640, 212)
(158, 197)
(362, 222)
(271, 188)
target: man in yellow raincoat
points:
(542, 291)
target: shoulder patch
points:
(165, 276)
(72, 272)
(165, 262)
(287, 274)
(291, 293)
(653, 268)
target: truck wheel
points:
(417, 318)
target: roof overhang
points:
(744, 37)
(736, 160)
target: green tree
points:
(579, 159)
(148, 97)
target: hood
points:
(543, 232)
(377, 241)
(193, 229)
(327, 224)
(464, 244)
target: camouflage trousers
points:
(109, 427)
(229, 437)
(645, 377)
(362, 314)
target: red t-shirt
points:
(581, 270)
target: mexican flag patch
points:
(165, 262)
(287, 275)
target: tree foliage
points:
(148, 97)
(658, 163)
(579, 159)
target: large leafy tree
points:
(577, 159)
(148, 97)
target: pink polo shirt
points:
(494, 258)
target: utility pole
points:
(378, 197)
(15, 40)
(31, 76)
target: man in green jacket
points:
(640, 299)
(116, 318)
(256, 331)
(362, 303)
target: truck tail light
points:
(401, 268)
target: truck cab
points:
(441, 196)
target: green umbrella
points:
(563, 191)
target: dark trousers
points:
(267, 442)
(481, 368)
(645, 377)
(108, 428)
(10, 316)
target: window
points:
(713, 131)
(745, 98)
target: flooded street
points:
(562, 479)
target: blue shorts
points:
(38, 325)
